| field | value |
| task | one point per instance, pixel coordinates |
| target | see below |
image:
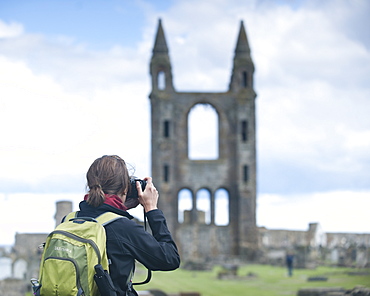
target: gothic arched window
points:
(204, 204)
(185, 203)
(203, 132)
(221, 207)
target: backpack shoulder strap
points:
(108, 217)
(105, 219)
(70, 216)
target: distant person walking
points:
(289, 263)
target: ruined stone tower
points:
(63, 208)
(233, 171)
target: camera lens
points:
(132, 193)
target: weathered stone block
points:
(320, 291)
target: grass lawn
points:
(265, 280)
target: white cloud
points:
(58, 127)
(10, 30)
(314, 122)
(311, 87)
(337, 211)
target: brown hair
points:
(107, 175)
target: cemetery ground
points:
(256, 280)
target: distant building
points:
(23, 260)
(314, 247)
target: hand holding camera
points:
(142, 192)
(148, 197)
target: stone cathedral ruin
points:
(234, 171)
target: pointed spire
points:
(243, 68)
(160, 45)
(160, 64)
(242, 46)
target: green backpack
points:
(75, 258)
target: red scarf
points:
(112, 200)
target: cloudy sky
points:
(74, 85)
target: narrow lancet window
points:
(244, 130)
(245, 173)
(166, 173)
(244, 79)
(203, 204)
(166, 129)
(222, 207)
(185, 204)
(161, 80)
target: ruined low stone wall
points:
(334, 291)
(27, 244)
(14, 287)
(203, 242)
(314, 247)
(346, 240)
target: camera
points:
(132, 193)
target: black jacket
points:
(127, 241)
